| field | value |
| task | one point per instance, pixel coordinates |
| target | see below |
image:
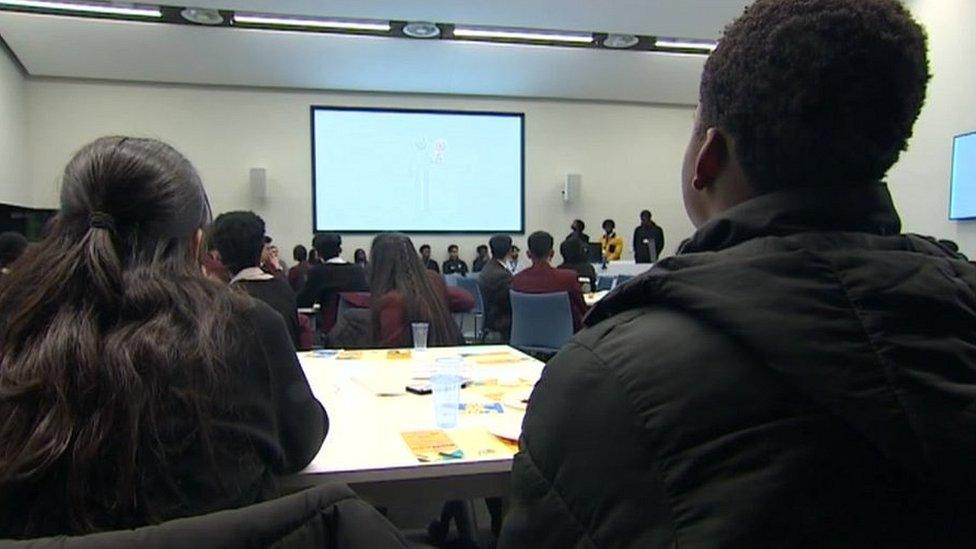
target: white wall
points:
(14, 186)
(629, 155)
(920, 181)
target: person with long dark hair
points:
(404, 292)
(133, 388)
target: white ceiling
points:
(88, 48)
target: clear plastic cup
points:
(419, 330)
(446, 384)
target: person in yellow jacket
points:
(612, 244)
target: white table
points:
(621, 267)
(364, 447)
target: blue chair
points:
(541, 322)
(604, 282)
(471, 286)
(621, 279)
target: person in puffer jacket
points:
(800, 373)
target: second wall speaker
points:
(571, 188)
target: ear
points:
(713, 156)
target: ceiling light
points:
(309, 22)
(421, 29)
(685, 44)
(105, 8)
(524, 34)
(202, 16)
(620, 41)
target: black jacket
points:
(642, 253)
(798, 375)
(324, 516)
(279, 295)
(328, 280)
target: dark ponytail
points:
(108, 328)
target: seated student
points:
(573, 251)
(454, 264)
(298, 274)
(800, 374)
(12, 246)
(403, 292)
(542, 278)
(133, 388)
(425, 257)
(330, 278)
(360, 258)
(480, 261)
(270, 262)
(514, 264)
(613, 245)
(239, 239)
(495, 281)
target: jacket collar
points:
(850, 208)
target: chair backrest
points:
(471, 286)
(541, 322)
(621, 279)
(325, 516)
(604, 283)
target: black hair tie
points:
(101, 220)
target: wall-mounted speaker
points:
(259, 184)
(571, 188)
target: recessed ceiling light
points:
(103, 8)
(421, 29)
(686, 44)
(311, 22)
(620, 41)
(202, 16)
(524, 34)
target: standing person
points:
(843, 353)
(612, 245)
(576, 231)
(12, 246)
(298, 274)
(427, 261)
(239, 239)
(542, 278)
(647, 236)
(126, 370)
(404, 292)
(495, 281)
(454, 264)
(480, 261)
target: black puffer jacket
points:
(799, 375)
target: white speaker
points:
(571, 188)
(259, 183)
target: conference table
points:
(370, 411)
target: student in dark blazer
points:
(495, 281)
(330, 278)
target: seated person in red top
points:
(298, 274)
(403, 292)
(542, 278)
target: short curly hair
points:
(817, 92)
(239, 237)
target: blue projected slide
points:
(416, 171)
(962, 199)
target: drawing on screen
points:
(427, 157)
